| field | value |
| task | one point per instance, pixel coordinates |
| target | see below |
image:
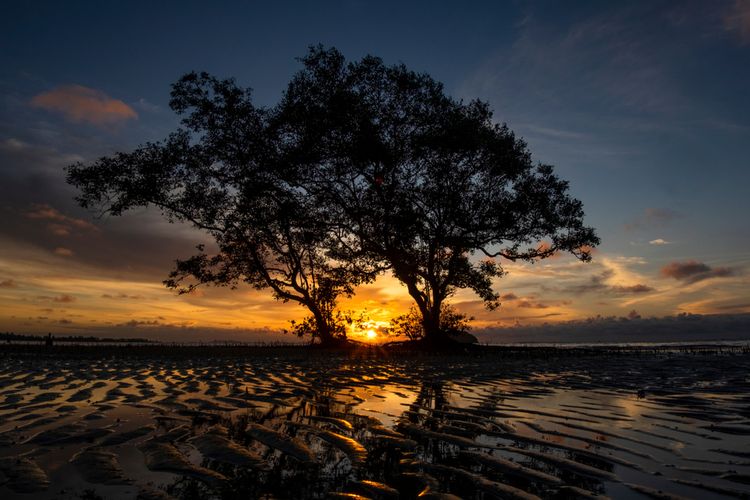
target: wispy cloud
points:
(607, 281)
(13, 144)
(614, 57)
(553, 132)
(8, 284)
(652, 217)
(58, 223)
(632, 289)
(81, 104)
(659, 242)
(147, 106)
(528, 304)
(65, 299)
(121, 296)
(63, 252)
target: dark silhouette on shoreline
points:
(49, 339)
(361, 168)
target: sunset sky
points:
(643, 106)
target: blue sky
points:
(642, 106)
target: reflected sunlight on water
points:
(302, 426)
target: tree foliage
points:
(410, 325)
(225, 172)
(361, 167)
(428, 184)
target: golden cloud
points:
(82, 104)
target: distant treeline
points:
(18, 337)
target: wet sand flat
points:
(295, 423)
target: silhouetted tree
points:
(410, 325)
(225, 172)
(424, 182)
(359, 168)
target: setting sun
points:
(370, 330)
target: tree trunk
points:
(430, 326)
(323, 326)
(433, 334)
(324, 329)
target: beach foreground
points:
(294, 423)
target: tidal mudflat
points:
(293, 423)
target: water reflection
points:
(294, 427)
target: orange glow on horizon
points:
(42, 291)
(369, 330)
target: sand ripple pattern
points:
(291, 424)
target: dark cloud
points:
(598, 284)
(58, 223)
(508, 296)
(32, 175)
(594, 284)
(8, 284)
(682, 270)
(734, 307)
(532, 305)
(155, 330)
(634, 289)
(60, 298)
(121, 296)
(138, 323)
(680, 328)
(137, 246)
(38, 208)
(692, 271)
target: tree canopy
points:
(225, 172)
(360, 168)
(424, 182)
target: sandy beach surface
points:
(292, 423)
